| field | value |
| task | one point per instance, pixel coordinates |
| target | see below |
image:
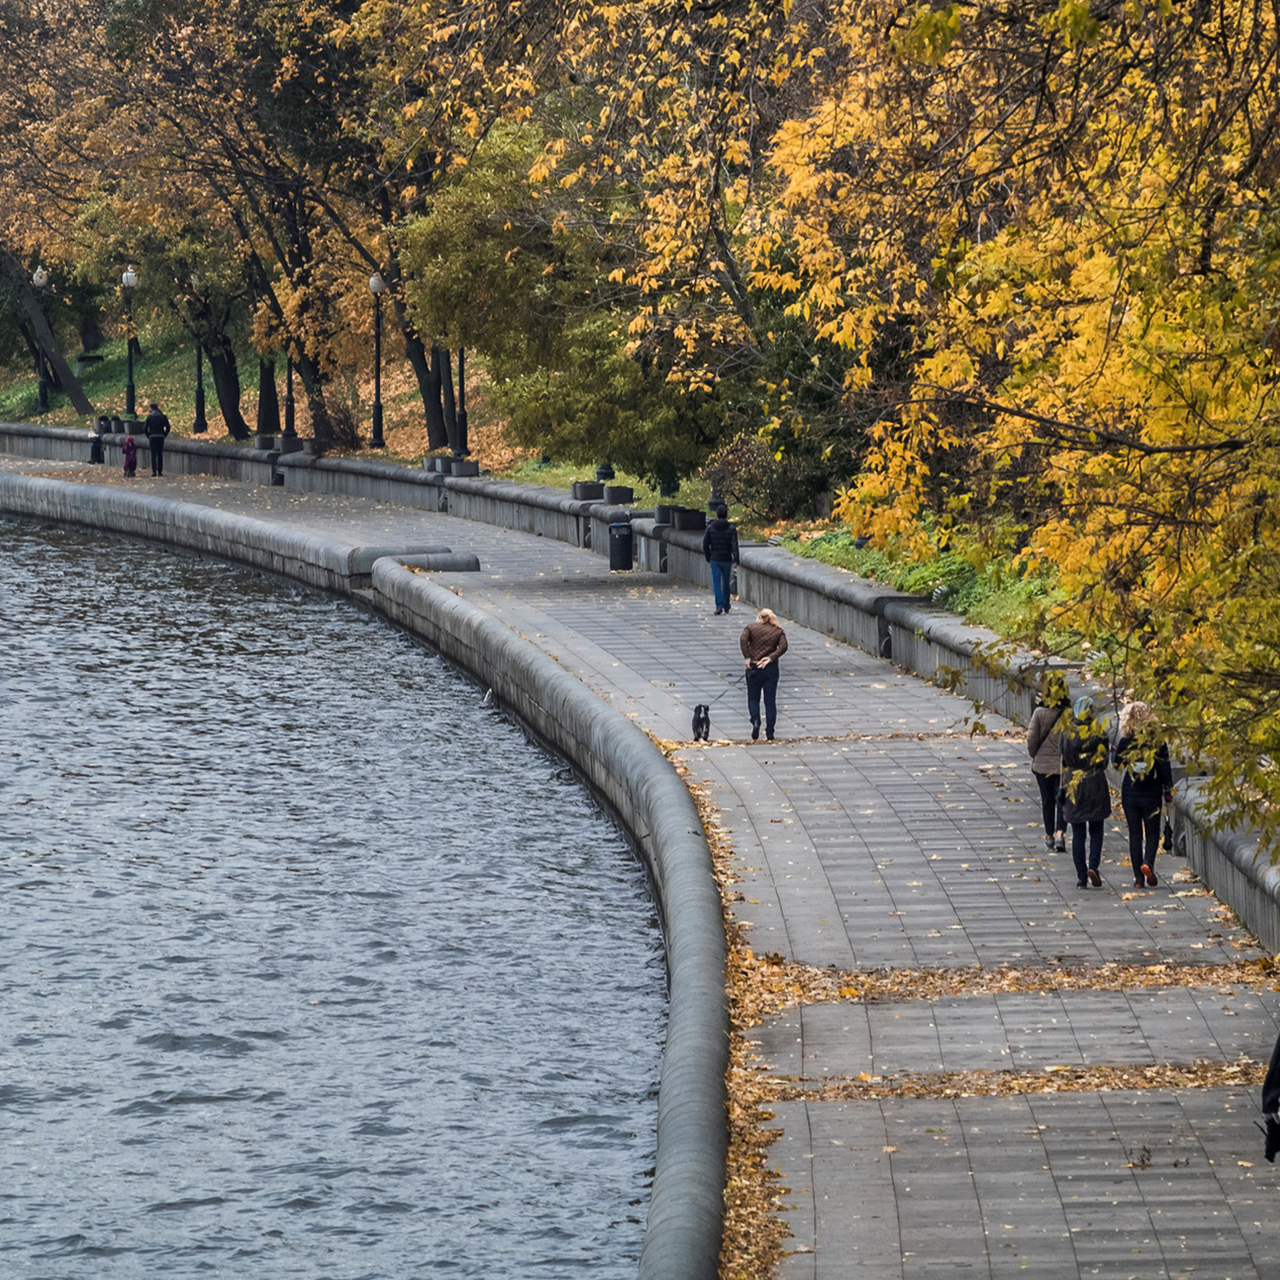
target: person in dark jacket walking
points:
(1044, 734)
(157, 428)
(1271, 1104)
(1142, 756)
(720, 546)
(1086, 796)
(762, 643)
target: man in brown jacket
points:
(763, 642)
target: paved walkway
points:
(877, 835)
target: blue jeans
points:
(721, 572)
(763, 680)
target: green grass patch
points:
(166, 375)
(987, 591)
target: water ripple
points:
(315, 967)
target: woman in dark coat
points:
(1142, 756)
(1044, 747)
(1086, 796)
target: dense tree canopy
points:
(1004, 272)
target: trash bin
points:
(620, 545)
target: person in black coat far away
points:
(720, 546)
(157, 428)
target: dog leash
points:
(730, 689)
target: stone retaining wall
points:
(182, 456)
(617, 759)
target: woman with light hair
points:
(762, 643)
(1142, 756)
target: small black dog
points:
(702, 723)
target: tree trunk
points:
(437, 433)
(446, 396)
(90, 330)
(226, 383)
(268, 400)
(330, 424)
(31, 304)
(419, 362)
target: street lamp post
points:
(463, 442)
(377, 286)
(40, 278)
(200, 425)
(129, 279)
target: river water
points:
(311, 966)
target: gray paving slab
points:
(928, 852)
(1021, 1031)
(1142, 1183)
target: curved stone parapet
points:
(623, 766)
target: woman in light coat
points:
(1044, 735)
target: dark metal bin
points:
(620, 545)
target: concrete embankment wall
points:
(682, 1238)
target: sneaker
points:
(768, 733)
(1139, 883)
(755, 730)
(1094, 878)
(1048, 843)
(1061, 846)
(1152, 878)
(719, 612)
(1082, 884)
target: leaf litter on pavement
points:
(761, 986)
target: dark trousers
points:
(1271, 1084)
(763, 680)
(721, 572)
(156, 445)
(1078, 830)
(1144, 833)
(1271, 1104)
(1049, 806)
